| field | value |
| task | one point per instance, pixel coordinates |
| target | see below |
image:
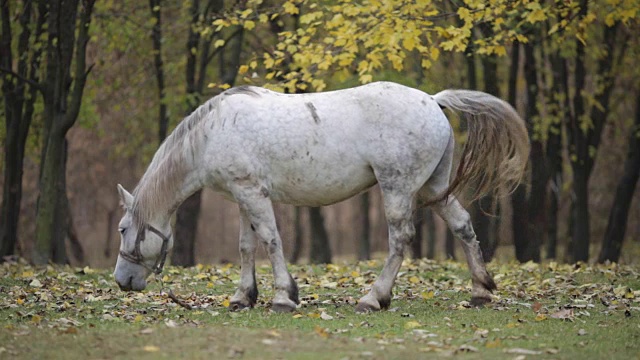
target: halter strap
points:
(136, 256)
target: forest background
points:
(91, 88)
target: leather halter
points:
(136, 256)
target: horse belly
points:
(315, 182)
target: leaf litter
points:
(69, 300)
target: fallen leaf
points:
(321, 331)
(467, 348)
(521, 351)
(564, 314)
(412, 325)
(494, 344)
(35, 283)
(541, 317)
(151, 348)
(325, 316)
(582, 332)
(536, 306)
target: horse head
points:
(143, 247)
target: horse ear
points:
(126, 199)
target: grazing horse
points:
(256, 147)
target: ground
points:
(539, 311)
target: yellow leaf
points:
(19, 301)
(26, 274)
(166, 278)
(226, 303)
(435, 53)
(253, 64)
(414, 279)
(36, 319)
(297, 316)
(290, 8)
(494, 344)
(249, 24)
(224, 86)
(218, 43)
(355, 274)
(512, 325)
(541, 317)
(313, 315)
(366, 78)
(427, 295)
(409, 43)
(246, 13)
(151, 348)
(243, 69)
(412, 325)
(321, 331)
(138, 318)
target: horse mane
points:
(173, 159)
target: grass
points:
(542, 311)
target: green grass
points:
(66, 313)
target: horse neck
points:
(164, 188)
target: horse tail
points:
(494, 157)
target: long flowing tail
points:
(495, 154)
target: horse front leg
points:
(401, 233)
(247, 293)
(255, 203)
(459, 222)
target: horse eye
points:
(122, 230)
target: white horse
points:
(257, 147)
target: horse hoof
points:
(363, 307)
(283, 307)
(238, 306)
(477, 301)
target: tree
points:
(20, 89)
(364, 247)
(617, 225)
(199, 56)
(62, 89)
(156, 38)
(320, 251)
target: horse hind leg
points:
(247, 293)
(459, 222)
(398, 211)
(255, 203)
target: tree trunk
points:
(450, 246)
(364, 248)
(416, 243)
(59, 249)
(188, 213)
(47, 228)
(18, 114)
(554, 149)
(580, 213)
(431, 234)
(320, 252)
(156, 38)
(536, 205)
(617, 224)
(186, 229)
(63, 91)
(298, 236)
(482, 222)
(584, 143)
